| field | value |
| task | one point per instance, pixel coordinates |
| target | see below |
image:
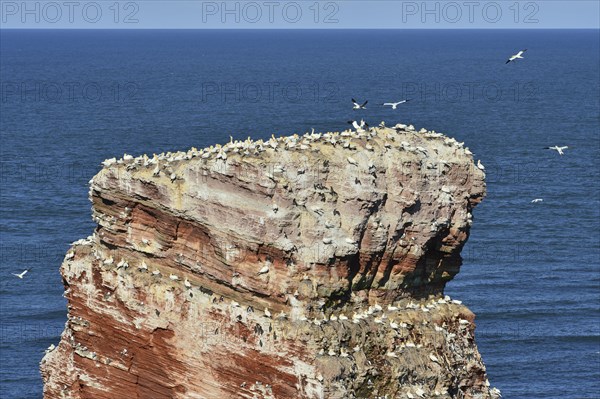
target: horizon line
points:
(296, 29)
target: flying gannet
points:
(557, 148)
(517, 56)
(395, 105)
(359, 127)
(359, 106)
(22, 274)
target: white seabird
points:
(352, 161)
(264, 270)
(557, 148)
(359, 106)
(395, 105)
(359, 127)
(517, 56)
(143, 267)
(22, 274)
(536, 200)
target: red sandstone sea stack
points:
(302, 267)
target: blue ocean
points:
(531, 271)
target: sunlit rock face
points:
(298, 267)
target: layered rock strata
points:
(297, 267)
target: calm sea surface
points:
(531, 272)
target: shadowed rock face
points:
(299, 267)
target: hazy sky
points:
(300, 14)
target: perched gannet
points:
(173, 277)
(187, 283)
(480, 165)
(108, 162)
(22, 274)
(395, 105)
(557, 148)
(517, 56)
(352, 161)
(356, 105)
(267, 313)
(264, 270)
(356, 318)
(282, 315)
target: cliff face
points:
(299, 267)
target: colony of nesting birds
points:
(306, 142)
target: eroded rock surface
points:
(301, 267)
